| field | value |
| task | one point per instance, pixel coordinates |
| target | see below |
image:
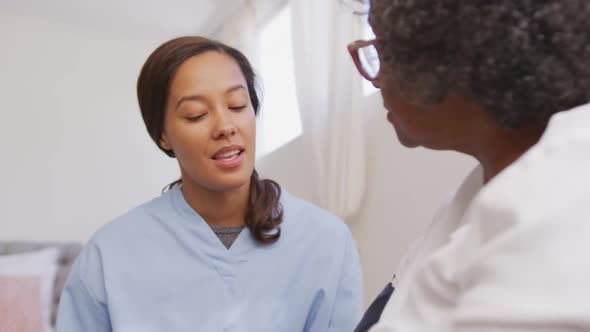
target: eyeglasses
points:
(365, 57)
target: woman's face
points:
(210, 123)
(436, 125)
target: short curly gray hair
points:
(522, 60)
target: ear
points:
(164, 142)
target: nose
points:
(224, 126)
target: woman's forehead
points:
(208, 69)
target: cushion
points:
(20, 304)
(40, 266)
(68, 251)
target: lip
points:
(390, 116)
(229, 163)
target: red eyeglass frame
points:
(353, 49)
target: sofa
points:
(67, 253)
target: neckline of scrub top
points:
(197, 225)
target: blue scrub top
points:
(160, 267)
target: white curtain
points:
(329, 93)
(242, 29)
(328, 88)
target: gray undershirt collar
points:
(228, 235)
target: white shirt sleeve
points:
(516, 274)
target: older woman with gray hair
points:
(508, 83)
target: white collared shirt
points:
(511, 256)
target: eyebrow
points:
(199, 98)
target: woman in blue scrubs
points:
(221, 249)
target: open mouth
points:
(228, 155)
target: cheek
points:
(248, 124)
(403, 115)
(187, 139)
(387, 90)
(252, 126)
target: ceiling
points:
(134, 18)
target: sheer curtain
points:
(242, 28)
(329, 91)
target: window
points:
(279, 121)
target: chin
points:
(229, 185)
(410, 145)
(221, 182)
(231, 182)
(406, 141)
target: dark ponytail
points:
(265, 212)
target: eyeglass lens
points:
(369, 60)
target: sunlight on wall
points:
(279, 121)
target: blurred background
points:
(75, 153)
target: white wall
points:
(405, 187)
(74, 150)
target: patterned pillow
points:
(20, 304)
